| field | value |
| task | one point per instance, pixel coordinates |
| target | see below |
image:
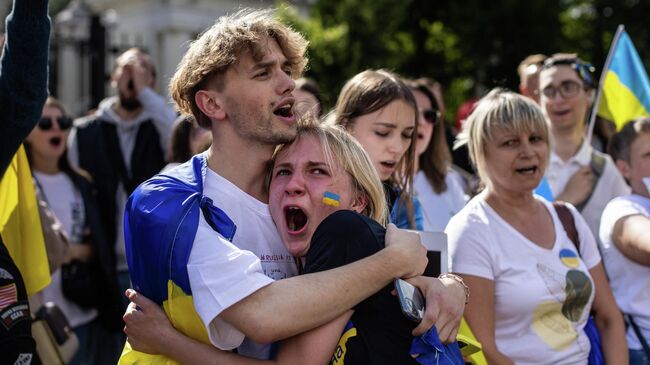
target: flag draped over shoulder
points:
(625, 89)
(20, 224)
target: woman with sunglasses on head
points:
(577, 173)
(439, 192)
(84, 287)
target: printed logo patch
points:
(8, 295)
(4, 274)
(24, 359)
(13, 314)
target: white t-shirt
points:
(437, 209)
(629, 280)
(530, 283)
(610, 184)
(66, 203)
(223, 273)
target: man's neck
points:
(567, 142)
(124, 114)
(243, 164)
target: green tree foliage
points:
(469, 46)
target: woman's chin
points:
(297, 248)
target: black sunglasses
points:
(64, 123)
(431, 115)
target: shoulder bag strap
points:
(569, 223)
(639, 335)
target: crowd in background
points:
(538, 272)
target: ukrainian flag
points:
(20, 224)
(626, 89)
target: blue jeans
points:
(639, 357)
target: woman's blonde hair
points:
(221, 46)
(368, 92)
(500, 109)
(340, 147)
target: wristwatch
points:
(459, 280)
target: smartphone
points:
(410, 299)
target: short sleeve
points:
(221, 275)
(341, 238)
(469, 250)
(613, 212)
(588, 246)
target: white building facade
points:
(163, 28)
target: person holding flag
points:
(577, 173)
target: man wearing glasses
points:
(578, 174)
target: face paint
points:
(330, 198)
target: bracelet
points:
(460, 281)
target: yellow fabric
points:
(179, 308)
(477, 358)
(618, 103)
(20, 224)
(341, 349)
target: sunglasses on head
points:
(431, 115)
(64, 123)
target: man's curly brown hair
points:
(220, 47)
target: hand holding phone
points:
(410, 299)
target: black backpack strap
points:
(569, 223)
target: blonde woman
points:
(532, 291)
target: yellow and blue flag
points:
(625, 87)
(20, 224)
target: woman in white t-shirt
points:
(436, 185)
(624, 234)
(90, 300)
(531, 291)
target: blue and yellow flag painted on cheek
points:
(625, 87)
(160, 223)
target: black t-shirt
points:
(378, 332)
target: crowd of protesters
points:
(246, 224)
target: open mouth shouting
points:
(56, 141)
(296, 220)
(529, 170)
(284, 110)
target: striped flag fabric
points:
(625, 88)
(8, 295)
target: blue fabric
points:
(430, 350)
(399, 217)
(160, 222)
(544, 190)
(627, 64)
(639, 357)
(596, 353)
